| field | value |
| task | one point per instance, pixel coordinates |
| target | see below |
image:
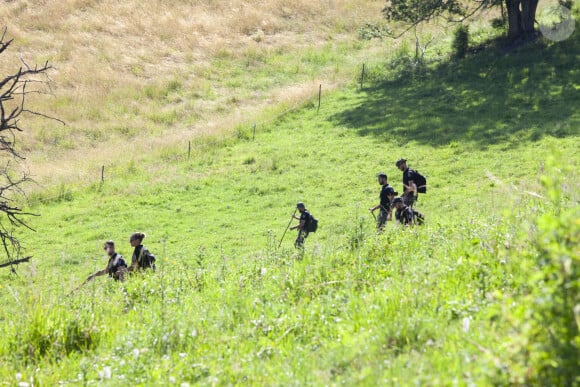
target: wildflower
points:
(466, 323)
(105, 373)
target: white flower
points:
(466, 323)
(18, 376)
(105, 373)
(136, 352)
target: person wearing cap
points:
(116, 267)
(386, 196)
(409, 187)
(403, 214)
(302, 231)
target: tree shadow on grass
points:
(489, 97)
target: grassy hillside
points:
(496, 135)
(130, 76)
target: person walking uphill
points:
(403, 214)
(142, 258)
(307, 224)
(116, 267)
(413, 183)
(386, 196)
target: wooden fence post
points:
(319, 97)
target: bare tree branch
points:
(13, 91)
(16, 261)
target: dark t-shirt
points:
(408, 174)
(113, 267)
(136, 253)
(305, 216)
(386, 191)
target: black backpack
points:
(419, 217)
(146, 260)
(312, 224)
(420, 181)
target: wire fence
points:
(316, 96)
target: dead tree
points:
(13, 91)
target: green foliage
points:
(414, 11)
(373, 31)
(499, 23)
(545, 338)
(460, 43)
(49, 334)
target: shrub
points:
(53, 334)
(545, 344)
(460, 41)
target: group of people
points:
(413, 183)
(403, 205)
(117, 268)
(142, 259)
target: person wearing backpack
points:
(116, 267)
(142, 258)
(386, 196)
(405, 215)
(307, 224)
(413, 183)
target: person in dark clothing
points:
(410, 194)
(302, 226)
(142, 258)
(403, 214)
(386, 196)
(116, 267)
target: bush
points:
(460, 41)
(52, 333)
(545, 345)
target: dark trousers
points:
(299, 243)
(409, 199)
(381, 219)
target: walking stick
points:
(287, 227)
(373, 214)
(77, 288)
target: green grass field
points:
(497, 136)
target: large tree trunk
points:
(521, 18)
(529, 8)
(514, 18)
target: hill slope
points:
(129, 76)
(433, 305)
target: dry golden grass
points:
(131, 76)
(115, 63)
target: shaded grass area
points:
(493, 96)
